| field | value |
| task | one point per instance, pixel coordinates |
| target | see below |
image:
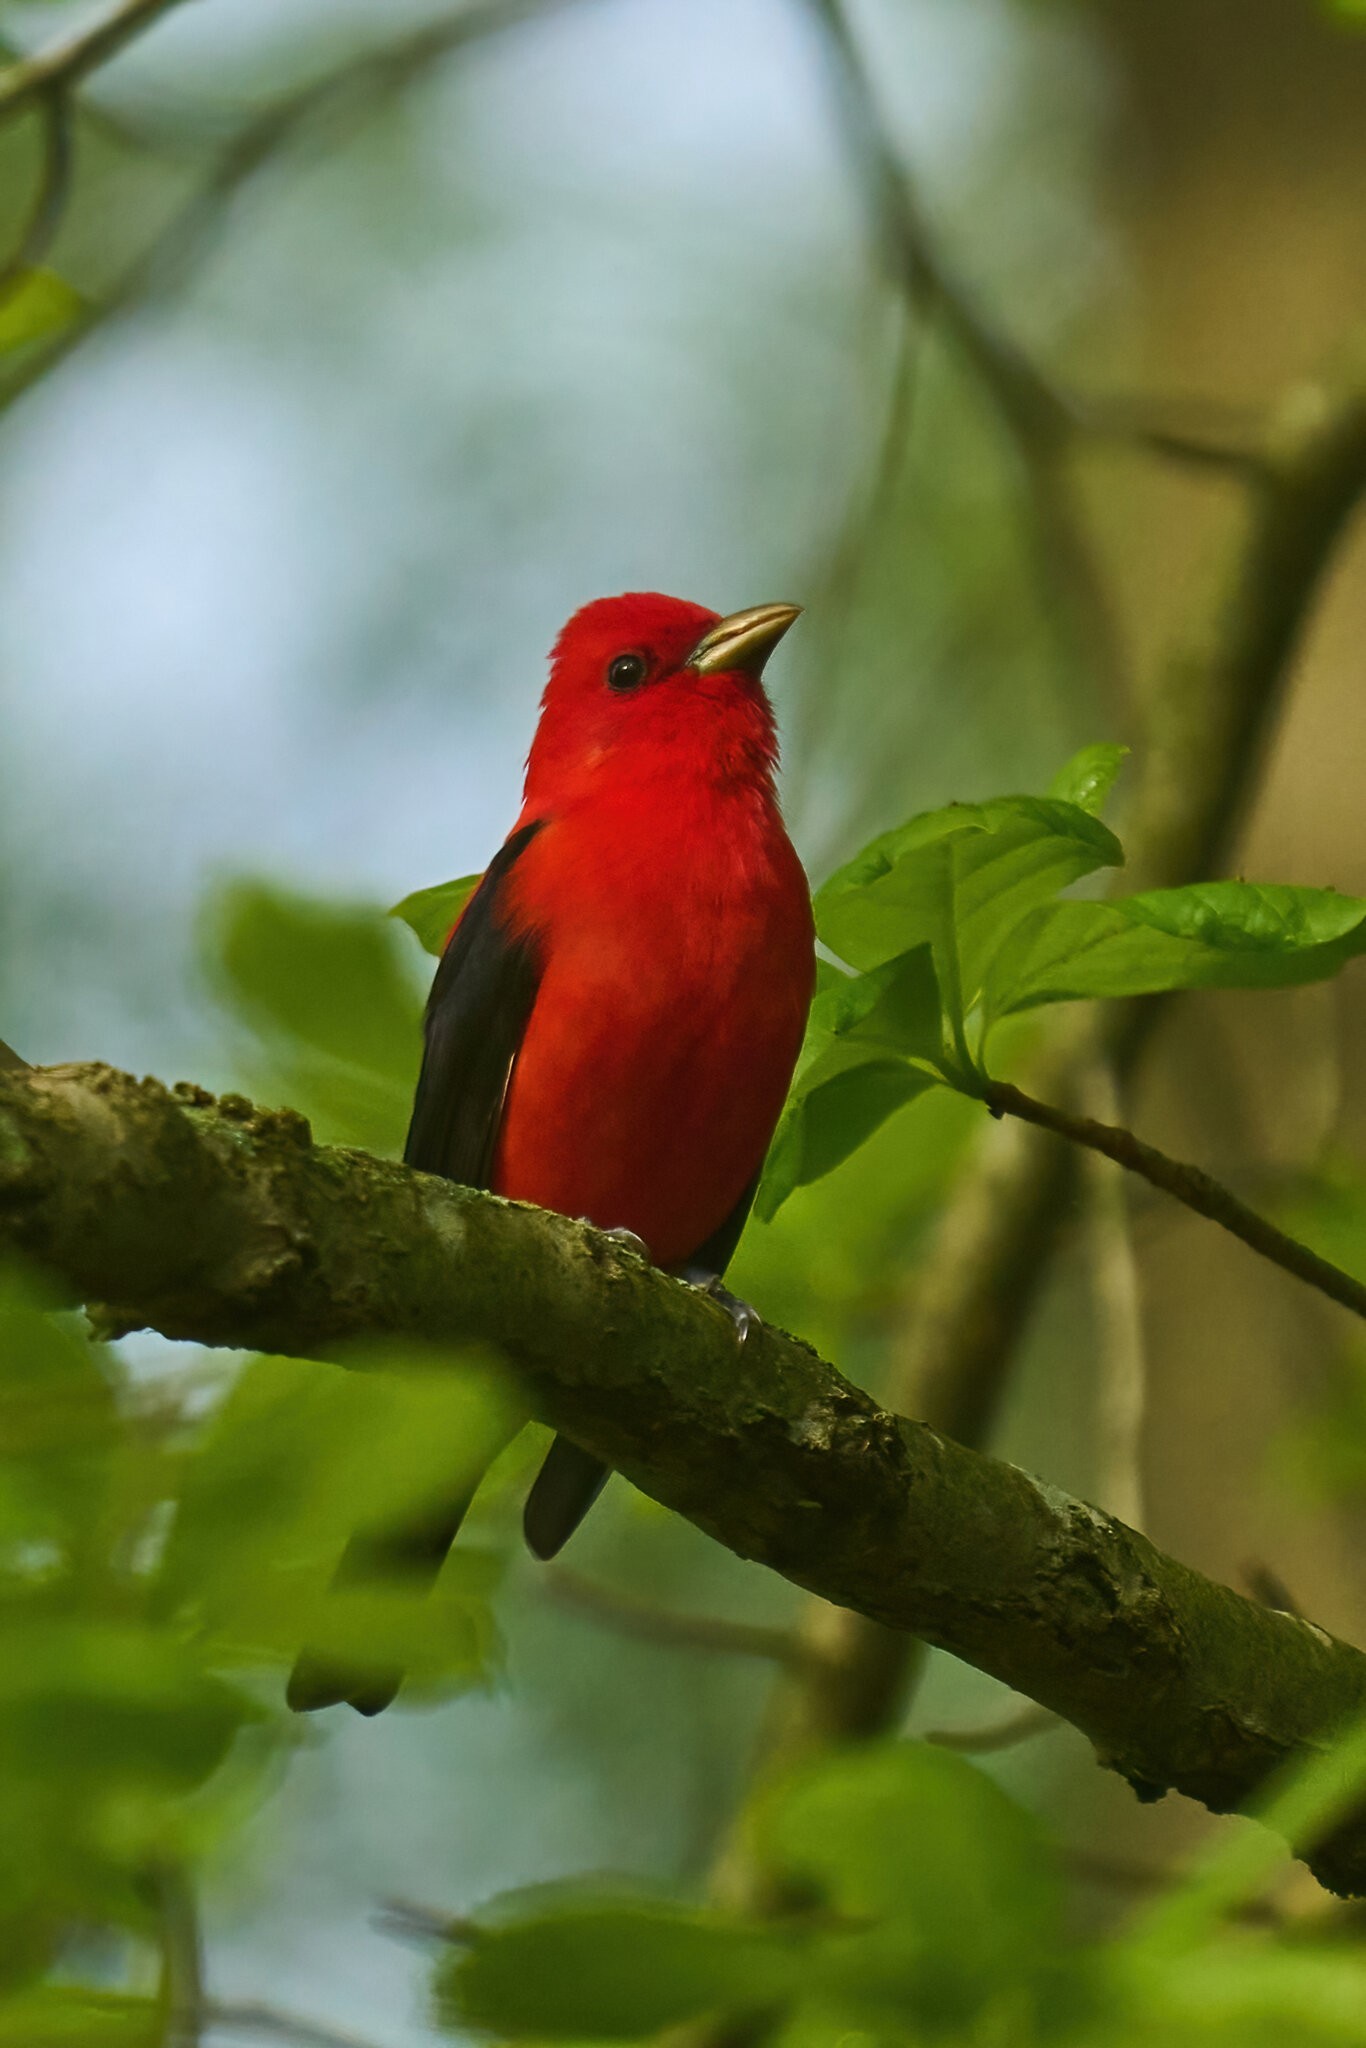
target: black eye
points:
(626, 672)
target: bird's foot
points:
(622, 1236)
(741, 1314)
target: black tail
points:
(411, 1558)
(563, 1491)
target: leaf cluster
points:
(923, 1906)
(165, 1546)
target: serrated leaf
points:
(1209, 935)
(593, 1970)
(1088, 777)
(959, 880)
(432, 913)
(40, 305)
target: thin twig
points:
(364, 81)
(1038, 411)
(1190, 1185)
(49, 201)
(1021, 1726)
(181, 1994)
(67, 62)
(405, 1920)
(1121, 1390)
(651, 1624)
(1040, 418)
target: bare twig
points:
(181, 1993)
(1041, 415)
(406, 1920)
(1121, 1393)
(1021, 1726)
(651, 1624)
(359, 83)
(66, 63)
(1040, 419)
(1190, 1185)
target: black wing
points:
(477, 1015)
(476, 1018)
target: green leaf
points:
(1088, 777)
(854, 1070)
(820, 1129)
(431, 913)
(1208, 935)
(297, 1459)
(959, 880)
(586, 1969)
(70, 2016)
(327, 991)
(953, 1881)
(40, 305)
(122, 1704)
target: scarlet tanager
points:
(618, 1010)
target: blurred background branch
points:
(61, 67)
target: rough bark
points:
(225, 1224)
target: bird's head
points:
(645, 681)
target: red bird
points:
(615, 1019)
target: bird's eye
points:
(626, 672)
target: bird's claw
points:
(744, 1318)
(624, 1237)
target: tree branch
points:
(1041, 415)
(226, 1225)
(359, 82)
(648, 1623)
(66, 63)
(1190, 1185)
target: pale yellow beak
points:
(743, 641)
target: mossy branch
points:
(213, 1221)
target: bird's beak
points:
(743, 641)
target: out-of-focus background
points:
(591, 300)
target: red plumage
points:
(673, 925)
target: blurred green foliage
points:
(36, 306)
(925, 1906)
(164, 1548)
(329, 1005)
